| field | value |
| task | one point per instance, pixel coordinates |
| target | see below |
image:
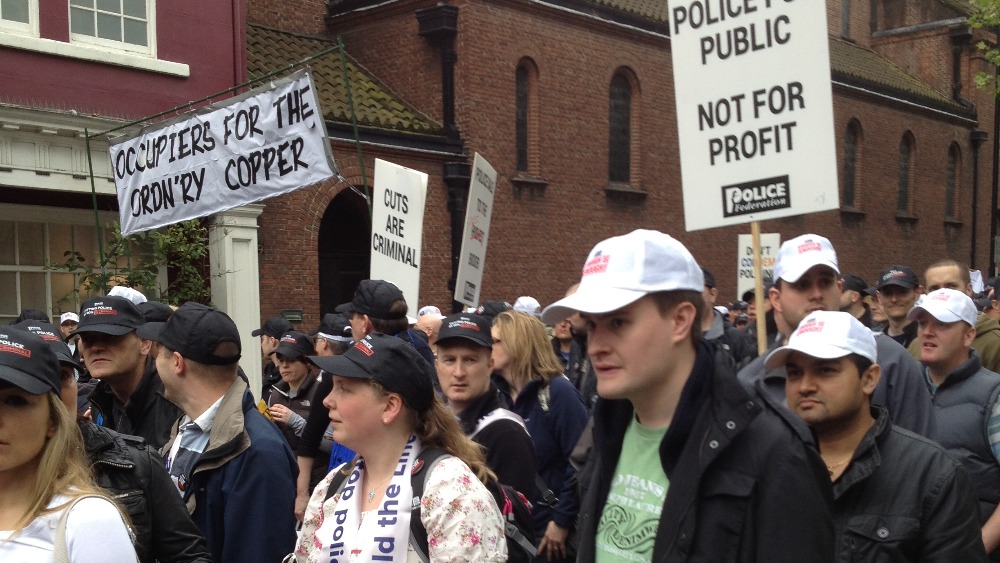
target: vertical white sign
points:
(769, 243)
(478, 212)
(398, 202)
(754, 109)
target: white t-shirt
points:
(94, 532)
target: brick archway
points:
(343, 249)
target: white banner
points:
(475, 236)
(262, 144)
(754, 109)
(398, 202)
(769, 243)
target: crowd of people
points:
(633, 417)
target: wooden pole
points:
(758, 289)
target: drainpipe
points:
(993, 185)
(976, 137)
(439, 25)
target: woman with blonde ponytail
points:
(50, 508)
(383, 407)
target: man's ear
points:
(869, 379)
(145, 346)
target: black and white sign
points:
(262, 144)
(478, 212)
(399, 197)
(754, 109)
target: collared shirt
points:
(192, 439)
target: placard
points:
(398, 199)
(769, 243)
(476, 235)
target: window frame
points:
(29, 29)
(148, 50)
(620, 130)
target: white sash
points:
(382, 535)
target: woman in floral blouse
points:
(383, 406)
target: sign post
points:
(476, 235)
(398, 200)
(754, 110)
(262, 144)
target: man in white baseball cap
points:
(875, 466)
(807, 279)
(965, 396)
(671, 423)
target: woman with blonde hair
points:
(555, 416)
(382, 406)
(50, 508)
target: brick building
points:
(575, 110)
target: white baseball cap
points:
(135, 296)
(797, 256)
(69, 317)
(946, 305)
(827, 335)
(432, 310)
(527, 304)
(623, 269)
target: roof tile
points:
(374, 104)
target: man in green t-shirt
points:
(686, 463)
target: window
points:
(19, 16)
(951, 180)
(905, 154)
(526, 118)
(851, 140)
(620, 130)
(119, 24)
(522, 118)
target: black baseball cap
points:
(467, 326)
(334, 326)
(375, 298)
(154, 311)
(902, 276)
(295, 344)
(390, 361)
(492, 308)
(27, 362)
(50, 334)
(855, 283)
(275, 326)
(109, 315)
(195, 331)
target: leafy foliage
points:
(987, 15)
(136, 261)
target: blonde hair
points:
(528, 346)
(437, 427)
(63, 468)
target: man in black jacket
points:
(464, 363)
(133, 473)
(129, 398)
(897, 495)
(686, 464)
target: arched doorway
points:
(344, 249)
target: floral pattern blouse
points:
(462, 520)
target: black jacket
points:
(745, 482)
(147, 414)
(903, 498)
(128, 469)
(509, 450)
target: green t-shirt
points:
(627, 529)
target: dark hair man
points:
(680, 447)
(231, 465)
(716, 327)
(807, 279)
(897, 291)
(379, 306)
(897, 496)
(965, 396)
(129, 397)
(464, 364)
(852, 299)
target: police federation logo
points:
(757, 196)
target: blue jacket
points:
(242, 489)
(554, 432)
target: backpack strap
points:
(338, 481)
(426, 459)
(495, 415)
